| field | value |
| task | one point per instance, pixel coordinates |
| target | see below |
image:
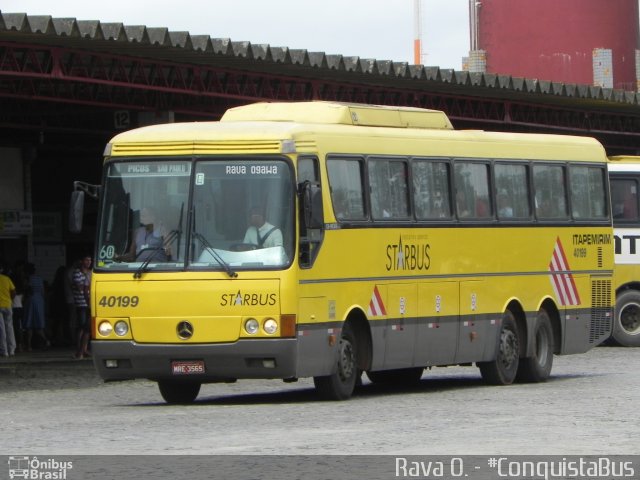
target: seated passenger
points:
(630, 209)
(504, 209)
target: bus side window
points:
(310, 238)
(624, 193)
(345, 181)
(588, 192)
(431, 189)
(550, 192)
(512, 191)
(472, 190)
(388, 189)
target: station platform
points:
(50, 356)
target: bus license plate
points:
(192, 367)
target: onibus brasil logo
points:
(38, 469)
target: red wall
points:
(554, 39)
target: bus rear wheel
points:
(340, 385)
(178, 393)
(537, 368)
(626, 324)
(503, 370)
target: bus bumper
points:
(126, 360)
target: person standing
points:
(81, 285)
(7, 293)
(59, 313)
(34, 315)
(70, 299)
(19, 278)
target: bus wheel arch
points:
(360, 325)
(340, 384)
(551, 308)
(353, 356)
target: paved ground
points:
(54, 368)
(56, 405)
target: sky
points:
(379, 29)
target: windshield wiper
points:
(154, 252)
(227, 268)
(143, 268)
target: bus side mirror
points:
(76, 207)
(76, 211)
(312, 205)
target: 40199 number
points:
(119, 301)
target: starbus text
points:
(408, 256)
(252, 299)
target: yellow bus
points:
(624, 177)
(324, 240)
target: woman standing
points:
(34, 310)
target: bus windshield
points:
(217, 214)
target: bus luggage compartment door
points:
(401, 329)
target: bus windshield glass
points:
(240, 216)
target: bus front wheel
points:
(340, 384)
(626, 324)
(537, 368)
(179, 393)
(502, 370)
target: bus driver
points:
(260, 232)
(148, 239)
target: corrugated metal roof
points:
(183, 47)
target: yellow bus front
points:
(194, 256)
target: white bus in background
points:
(624, 177)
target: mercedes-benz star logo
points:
(184, 330)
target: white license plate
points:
(184, 367)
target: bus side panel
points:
(316, 354)
(438, 329)
(577, 321)
(401, 331)
(475, 340)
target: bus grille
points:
(601, 311)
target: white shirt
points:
(274, 239)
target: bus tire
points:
(503, 369)
(402, 376)
(178, 393)
(626, 322)
(340, 385)
(537, 368)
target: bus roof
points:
(308, 127)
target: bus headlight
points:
(251, 326)
(105, 329)
(270, 326)
(121, 328)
